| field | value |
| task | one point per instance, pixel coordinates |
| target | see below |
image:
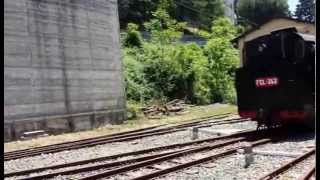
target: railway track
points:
(180, 166)
(279, 171)
(120, 137)
(309, 175)
(111, 165)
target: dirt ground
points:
(141, 122)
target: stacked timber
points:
(172, 107)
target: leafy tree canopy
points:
(202, 12)
(163, 68)
(133, 37)
(259, 11)
(306, 10)
(162, 27)
(140, 11)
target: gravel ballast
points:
(224, 169)
(99, 151)
(230, 169)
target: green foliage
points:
(259, 11)
(133, 110)
(136, 86)
(133, 37)
(162, 27)
(223, 28)
(135, 11)
(171, 73)
(222, 61)
(306, 10)
(140, 11)
(201, 12)
(209, 9)
(164, 68)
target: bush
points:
(133, 37)
(133, 110)
(137, 88)
(164, 68)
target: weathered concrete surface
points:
(61, 57)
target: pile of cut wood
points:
(172, 107)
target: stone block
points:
(16, 111)
(80, 106)
(7, 132)
(14, 96)
(24, 126)
(17, 60)
(101, 119)
(82, 123)
(59, 125)
(115, 117)
(54, 108)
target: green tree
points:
(140, 11)
(160, 68)
(133, 37)
(201, 12)
(223, 59)
(137, 88)
(209, 9)
(164, 68)
(305, 10)
(259, 11)
(163, 28)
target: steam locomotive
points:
(276, 84)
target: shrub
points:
(164, 68)
(133, 37)
(133, 110)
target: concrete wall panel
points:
(62, 57)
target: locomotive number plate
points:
(267, 82)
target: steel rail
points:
(90, 144)
(287, 166)
(64, 143)
(155, 160)
(196, 162)
(144, 151)
(110, 136)
(77, 170)
(150, 162)
(99, 166)
(308, 174)
(115, 134)
(120, 138)
(221, 123)
(113, 164)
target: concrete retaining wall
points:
(61, 58)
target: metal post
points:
(245, 156)
(195, 133)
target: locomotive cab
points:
(276, 83)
